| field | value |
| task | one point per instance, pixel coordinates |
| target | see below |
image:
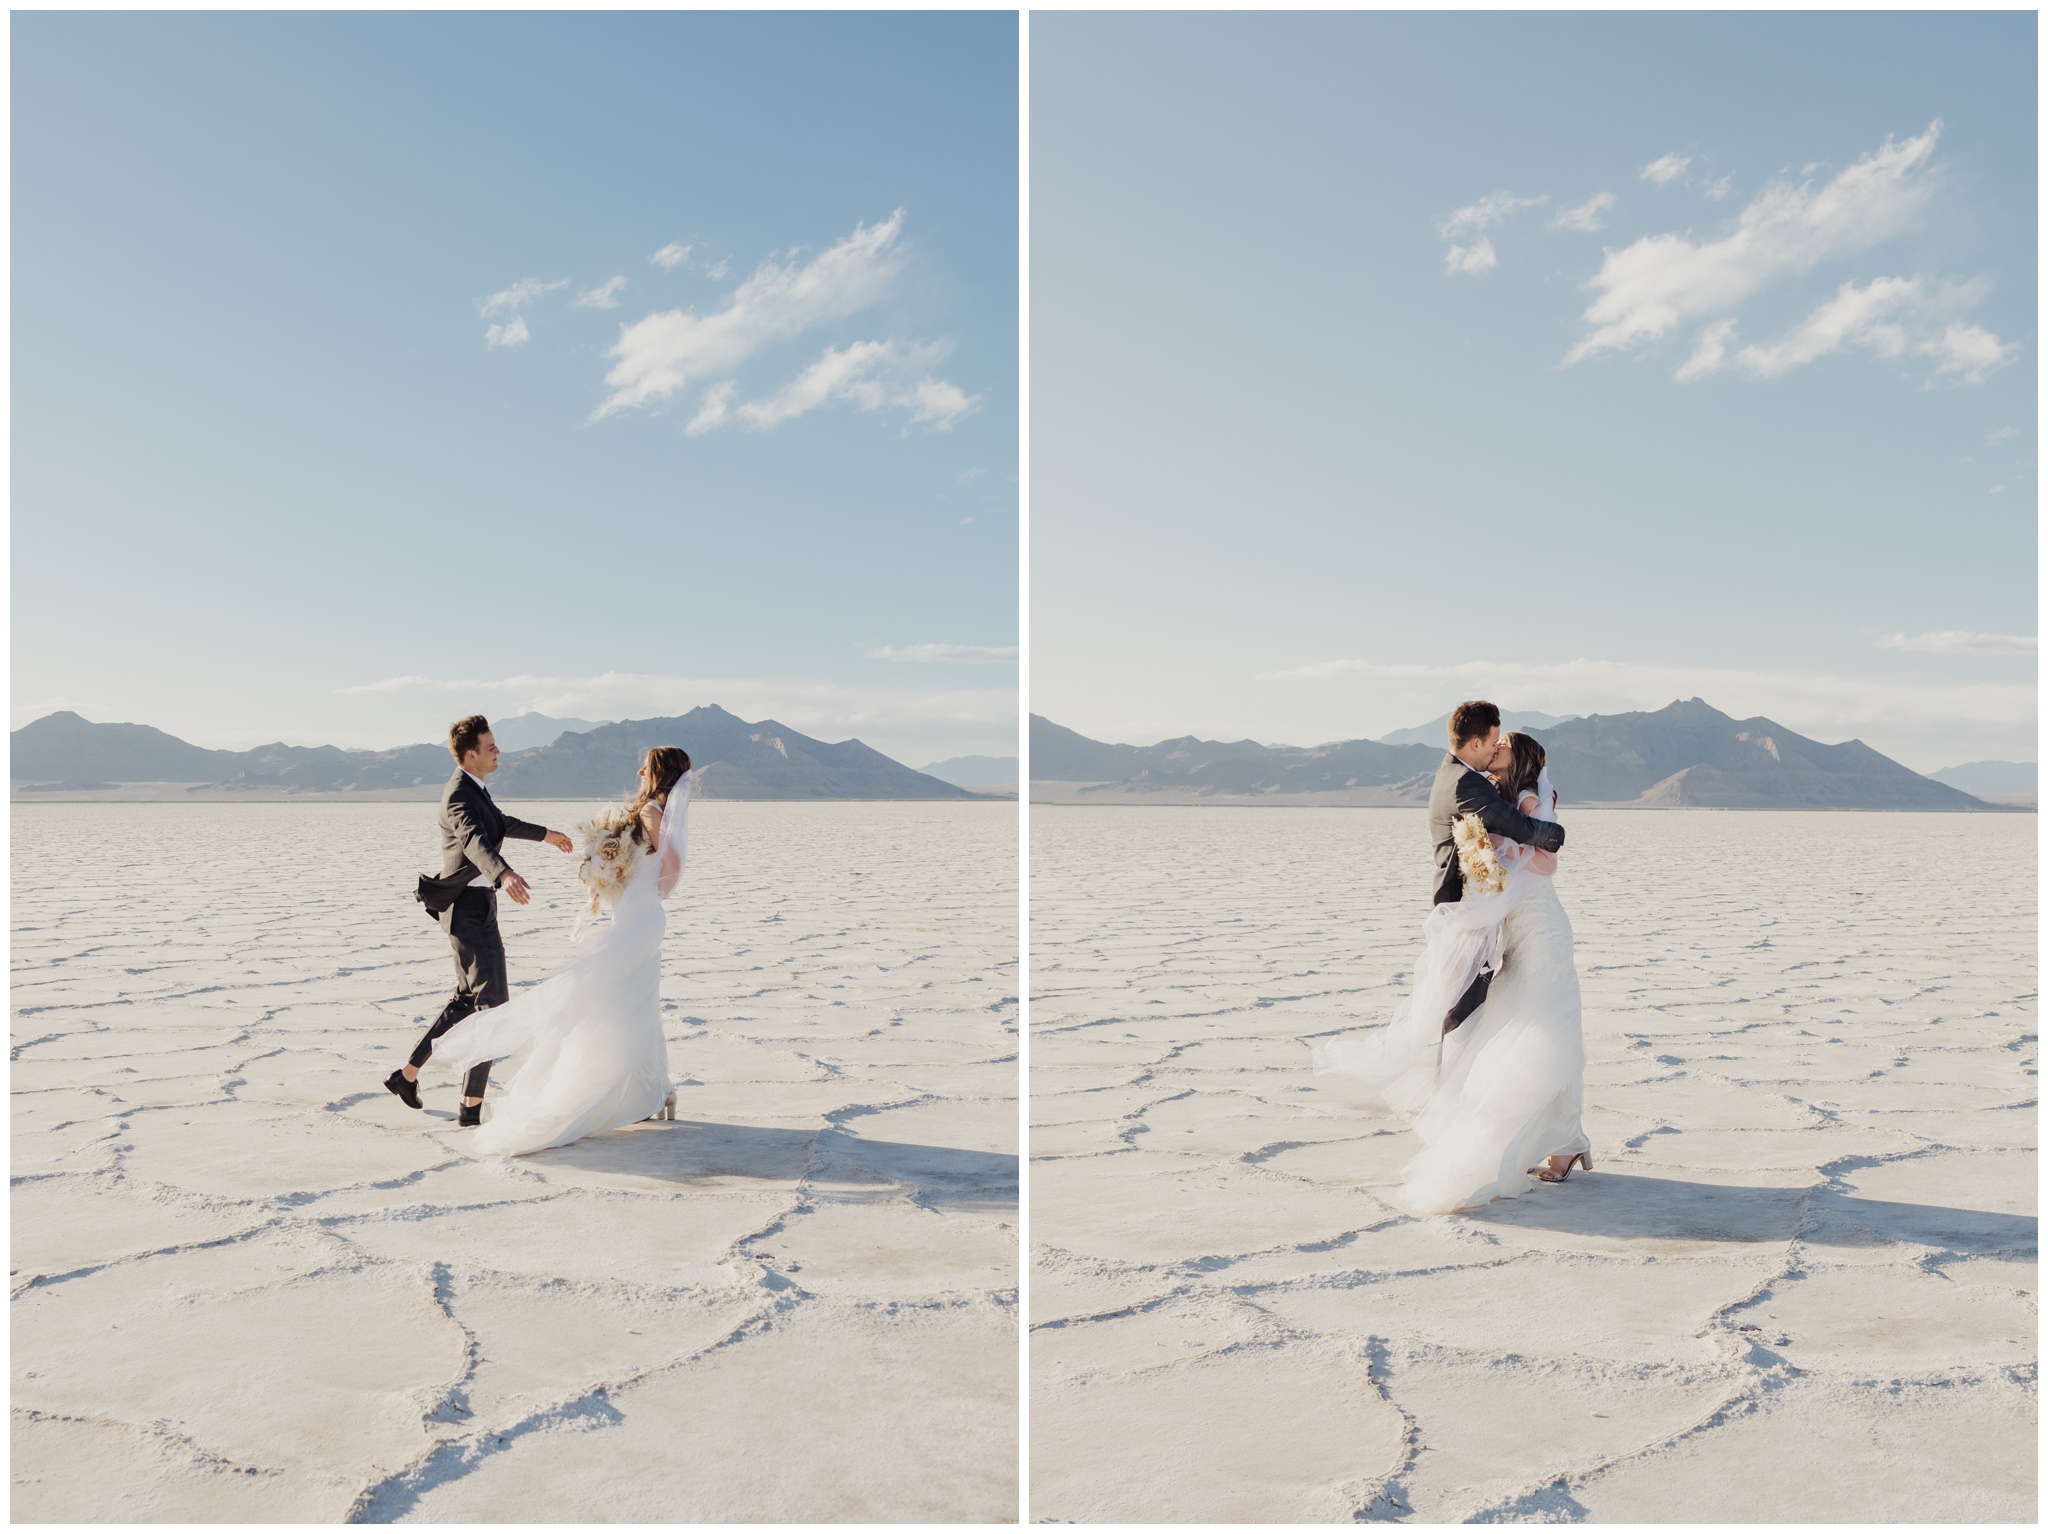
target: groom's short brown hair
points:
(1471, 721)
(465, 733)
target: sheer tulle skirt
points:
(1503, 1091)
(581, 1052)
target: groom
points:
(1462, 788)
(464, 901)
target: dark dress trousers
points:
(1457, 792)
(472, 830)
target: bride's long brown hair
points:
(1525, 763)
(665, 768)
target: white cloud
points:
(512, 332)
(1586, 216)
(1968, 352)
(1476, 257)
(1648, 288)
(1961, 642)
(1665, 169)
(1823, 707)
(1889, 317)
(523, 292)
(604, 296)
(662, 354)
(869, 375)
(938, 404)
(714, 410)
(954, 654)
(671, 256)
(1493, 208)
(2001, 435)
(857, 373)
(509, 301)
(1719, 189)
(1709, 352)
(716, 270)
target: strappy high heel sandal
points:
(1543, 1173)
(666, 1113)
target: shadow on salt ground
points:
(1652, 1208)
(690, 1151)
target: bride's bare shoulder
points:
(650, 822)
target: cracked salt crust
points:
(1799, 1287)
(248, 1285)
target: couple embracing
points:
(1485, 1056)
(583, 1049)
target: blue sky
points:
(373, 368)
(1584, 362)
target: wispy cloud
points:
(604, 296)
(2001, 435)
(518, 296)
(512, 331)
(1476, 257)
(714, 409)
(947, 654)
(1477, 254)
(669, 352)
(1665, 168)
(671, 256)
(1961, 642)
(665, 352)
(1586, 217)
(1823, 706)
(1889, 317)
(1662, 281)
(870, 375)
(1719, 189)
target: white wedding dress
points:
(1504, 1090)
(583, 1049)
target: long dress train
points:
(583, 1049)
(1506, 1089)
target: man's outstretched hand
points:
(559, 840)
(515, 886)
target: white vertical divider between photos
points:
(1024, 764)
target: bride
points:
(584, 1046)
(1497, 1101)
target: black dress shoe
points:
(408, 1092)
(468, 1116)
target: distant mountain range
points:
(1688, 754)
(1437, 731)
(1992, 780)
(975, 771)
(522, 732)
(66, 755)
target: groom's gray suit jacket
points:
(1459, 791)
(472, 830)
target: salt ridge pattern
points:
(1799, 1285)
(248, 1284)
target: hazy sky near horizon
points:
(368, 369)
(1582, 362)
